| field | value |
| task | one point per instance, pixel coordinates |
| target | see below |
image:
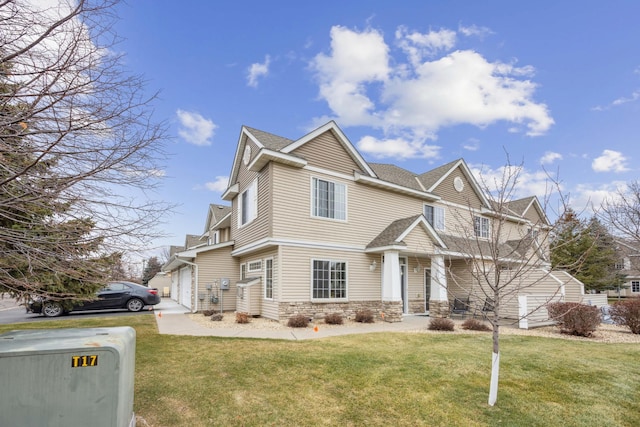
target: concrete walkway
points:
(172, 320)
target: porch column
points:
(391, 276)
(439, 301)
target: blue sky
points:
(553, 85)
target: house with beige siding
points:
(312, 228)
(628, 265)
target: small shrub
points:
(475, 325)
(333, 319)
(298, 321)
(574, 318)
(627, 313)
(364, 316)
(243, 318)
(208, 313)
(217, 317)
(441, 324)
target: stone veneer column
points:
(439, 301)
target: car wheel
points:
(52, 309)
(135, 304)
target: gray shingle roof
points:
(428, 179)
(395, 175)
(219, 212)
(389, 235)
(269, 140)
(514, 249)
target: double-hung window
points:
(248, 204)
(329, 279)
(268, 279)
(481, 226)
(434, 216)
(635, 286)
(329, 199)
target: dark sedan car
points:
(116, 295)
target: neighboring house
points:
(314, 229)
(162, 282)
(628, 265)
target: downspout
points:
(197, 282)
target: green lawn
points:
(384, 379)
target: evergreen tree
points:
(79, 151)
(586, 250)
(151, 269)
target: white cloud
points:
(397, 148)
(528, 182)
(588, 197)
(474, 31)
(194, 128)
(472, 144)
(411, 101)
(635, 96)
(258, 70)
(610, 161)
(419, 45)
(550, 157)
(356, 59)
(219, 185)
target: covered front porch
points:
(417, 272)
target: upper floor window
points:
(329, 199)
(248, 204)
(619, 265)
(435, 216)
(481, 227)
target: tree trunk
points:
(495, 366)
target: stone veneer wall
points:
(438, 308)
(392, 310)
(416, 306)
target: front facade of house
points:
(312, 228)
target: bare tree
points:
(506, 253)
(621, 213)
(78, 147)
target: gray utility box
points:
(67, 377)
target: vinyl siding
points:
(325, 151)
(362, 284)
(269, 307)
(212, 266)
(467, 197)
(369, 210)
(532, 215)
(418, 241)
(260, 227)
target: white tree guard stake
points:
(495, 371)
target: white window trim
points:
(346, 284)
(266, 268)
(313, 199)
(482, 220)
(251, 266)
(632, 282)
(438, 211)
(252, 191)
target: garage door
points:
(185, 287)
